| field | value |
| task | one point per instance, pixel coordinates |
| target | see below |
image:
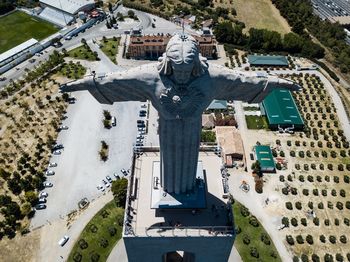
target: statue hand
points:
(87, 83)
(275, 82)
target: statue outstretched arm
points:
(248, 86)
(129, 85)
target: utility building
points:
(264, 156)
(281, 111)
(267, 60)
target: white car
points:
(143, 106)
(63, 127)
(52, 164)
(43, 194)
(49, 172)
(108, 185)
(63, 241)
(48, 184)
(57, 152)
(102, 188)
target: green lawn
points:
(73, 70)
(110, 48)
(83, 52)
(257, 122)
(100, 235)
(253, 237)
(19, 27)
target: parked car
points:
(43, 194)
(57, 152)
(143, 106)
(104, 182)
(108, 185)
(102, 188)
(58, 146)
(42, 200)
(116, 176)
(48, 184)
(114, 121)
(49, 172)
(53, 164)
(124, 172)
(140, 121)
(142, 114)
(109, 179)
(63, 127)
(40, 206)
(139, 144)
(140, 137)
(63, 241)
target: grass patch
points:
(83, 52)
(100, 235)
(73, 70)
(257, 122)
(251, 108)
(19, 27)
(110, 48)
(260, 14)
(252, 241)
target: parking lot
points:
(329, 8)
(79, 169)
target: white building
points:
(62, 12)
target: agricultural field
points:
(19, 27)
(260, 14)
(314, 189)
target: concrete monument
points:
(180, 86)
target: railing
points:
(181, 231)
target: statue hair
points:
(182, 50)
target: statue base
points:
(196, 199)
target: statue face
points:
(182, 72)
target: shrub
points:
(306, 192)
(322, 238)
(347, 221)
(309, 239)
(320, 205)
(265, 239)
(290, 206)
(340, 205)
(290, 240)
(300, 239)
(310, 205)
(336, 221)
(294, 222)
(95, 257)
(83, 244)
(246, 239)
(103, 242)
(330, 205)
(324, 192)
(304, 258)
(301, 178)
(347, 204)
(332, 239)
(112, 231)
(294, 191)
(333, 192)
(254, 252)
(347, 179)
(342, 193)
(77, 257)
(281, 178)
(303, 221)
(339, 257)
(327, 178)
(315, 191)
(285, 191)
(315, 258)
(336, 179)
(244, 211)
(343, 239)
(253, 221)
(328, 258)
(285, 221)
(310, 178)
(298, 205)
(326, 222)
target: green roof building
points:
(281, 110)
(267, 60)
(265, 158)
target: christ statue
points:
(180, 86)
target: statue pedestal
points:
(195, 199)
(193, 227)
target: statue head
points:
(182, 59)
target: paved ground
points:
(55, 230)
(79, 168)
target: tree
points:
(119, 189)
(26, 208)
(110, 7)
(31, 197)
(131, 14)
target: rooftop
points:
(69, 6)
(281, 109)
(264, 156)
(17, 49)
(217, 105)
(148, 221)
(268, 60)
